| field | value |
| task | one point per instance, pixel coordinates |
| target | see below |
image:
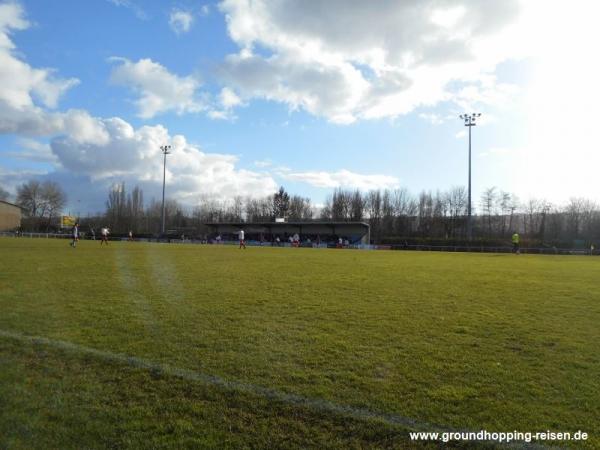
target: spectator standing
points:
(75, 235)
(104, 232)
(242, 240)
(515, 243)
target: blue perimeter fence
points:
(420, 247)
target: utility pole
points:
(165, 151)
(469, 120)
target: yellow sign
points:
(67, 221)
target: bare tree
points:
(237, 208)
(357, 206)
(252, 210)
(116, 207)
(135, 209)
(457, 206)
(300, 208)
(574, 216)
(42, 201)
(327, 209)
(488, 206)
(341, 204)
(404, 209)
(532, 216)
(505, 203)
(374, 204)
(589, 219)
(513, 207)
(425, 213)
(387, 213)
(281, 203)
(29, 197)
(545, 207)
(440, 210)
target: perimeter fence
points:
(406, 247)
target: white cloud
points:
(84, 129)
(25, 91)
(159, 90)
(228, 98)
(350, 61)
(486, 91)
(89, 153)
(226, 101)
(219, 115)
(561, 157)
(10, 179)
(139, 12)
(448, 17)
(264, 163)
(205, 10)
(134, 155)
(435, 119)
(33, 150)
(331, 89)
(342, 178)
(181, 21)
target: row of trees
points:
(394, 215)
(397, 214)
(126, 211)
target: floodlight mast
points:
(469, 120)
(165, 151)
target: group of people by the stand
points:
(294, 240)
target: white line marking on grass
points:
(131, 285)
(315, 404)
(164, 275)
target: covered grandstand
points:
(309, 232)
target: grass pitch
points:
(290, 347)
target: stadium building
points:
(314, 232)
(10, 216)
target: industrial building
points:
(10, 216)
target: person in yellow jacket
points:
(515, 243)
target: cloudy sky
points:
(311, 95)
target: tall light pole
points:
(469, 120)
(165, 151)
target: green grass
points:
(465, 341)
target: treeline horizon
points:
(395, 215)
